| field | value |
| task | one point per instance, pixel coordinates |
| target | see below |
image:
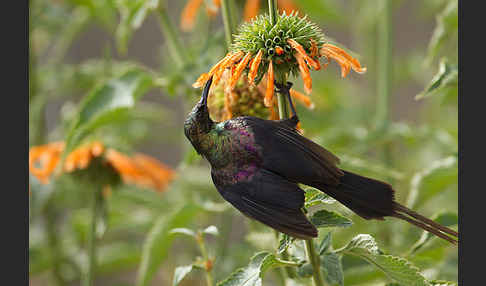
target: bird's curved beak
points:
(204, 96)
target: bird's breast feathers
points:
(233, 152)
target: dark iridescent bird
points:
(257, 164)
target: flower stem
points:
(92, 255)
(315, 261)
(384, 50)
(207, 261)
(174, 43)
(272, 11)
(227, 22)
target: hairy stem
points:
(174, 43)
(92, 255)
(207, 260)
(315, 261)
(227, 22)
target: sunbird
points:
(257, 165)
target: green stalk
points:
(272, 11)
(384, 52)
(92, 255)
(315, 261)
(384, 82)
(174, 43)
(202, 247)
(227, 22)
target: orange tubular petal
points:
(229, 62)
(287, 5)
(345, 60)
(304, 99)
(300, 50)
(97, 148)
(305, 74)
(203, 78)
(188, 15)
(270, 86)
(278, 50)
(160, 174)
(251, 9)
(255, 63)
(314, 49)
(238, 70)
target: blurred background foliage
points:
(121, 72)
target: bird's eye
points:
(276, 40)
(271, 51)
(287, 49)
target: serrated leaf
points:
(325, 218)
(447, 76)
(332, 267)
(184, 231)
(284, 243)
(432, 180)
(252, 275)
(211, 230)
(314, 197)
(445, 219)
(397, 268)
(325, 243)
(179, 273)
(159, 240)
(106, 104)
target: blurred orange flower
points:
(253, 6)
(140, 169)
(188, 15)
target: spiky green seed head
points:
(259, 34)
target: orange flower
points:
(293, 45)
(140, 170)
(188, 15)
(342, 58)
(227, 104)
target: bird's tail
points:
(373, 199)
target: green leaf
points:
(314, 197)
(107, 104)
(211, 230)
(397, 268)
(132, 16)
(325, 243)
(325, 218)
(180, 272)
(252, 275)
(184, 231)
(158, 241)
(446, 28)
(445, 219)
(432, 180)
(447, 76)
(333, 268)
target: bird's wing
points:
(269, 199)
(293, 156)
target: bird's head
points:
(198, 122)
